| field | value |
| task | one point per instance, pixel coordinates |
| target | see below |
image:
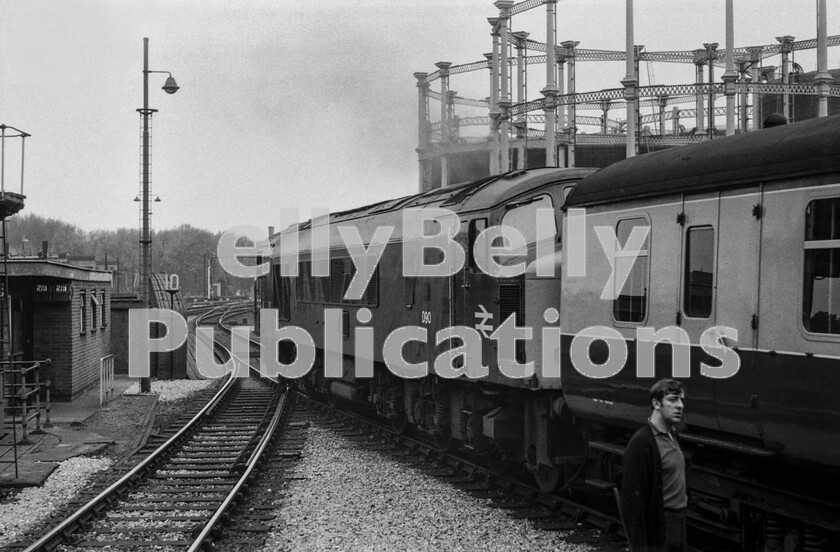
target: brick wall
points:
(52, 340)
(92, 341)
(73, 345)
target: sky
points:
(286, 104)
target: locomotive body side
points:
(496, 416)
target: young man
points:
(653, 491)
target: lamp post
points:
(170, 87)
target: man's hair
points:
(665, 387)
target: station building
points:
(60, 312)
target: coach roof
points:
(789, 151)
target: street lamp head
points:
(170, 86)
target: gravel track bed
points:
(26, 514)
(33, 504)
(343, 497)
(171, 390)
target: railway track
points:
(184, 492)
(584, 510)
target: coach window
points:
(699, 271)
(630, 303)
(821, 294)
(522, 215)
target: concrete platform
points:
(65, 439)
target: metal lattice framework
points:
(530, 118)
(750, 53)
(673, 94)
(554, 117)
(566, 137)
(747, 53)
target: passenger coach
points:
(744, 233)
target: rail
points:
(560, 502)
(218, 517)
(56, 535)
(153, 461)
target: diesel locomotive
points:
(674, 263)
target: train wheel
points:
(547, 477)
(399, 423)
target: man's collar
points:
(657, 431)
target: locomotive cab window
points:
(630, 304)
(698, 291)
(821, 293)
(522, 215)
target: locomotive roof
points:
(470, 196)
(788, 151)
(467, 196)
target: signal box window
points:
(821, 294)
(83, 312)
(630, 304)
(96, 311)
(699, 271)
(103, 312)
